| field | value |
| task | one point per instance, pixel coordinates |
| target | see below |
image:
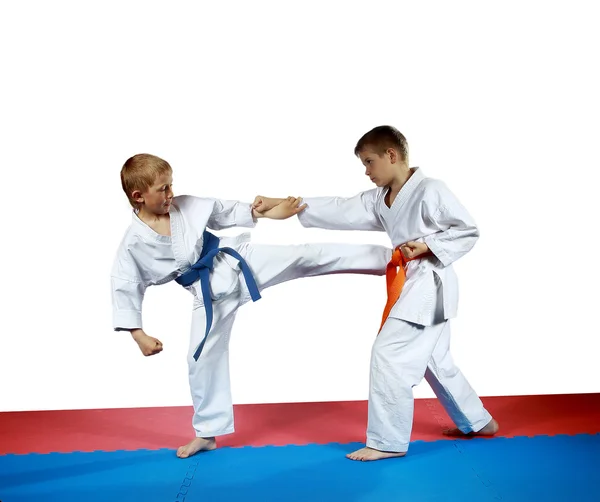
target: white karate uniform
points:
(145, 258)
(415, 339)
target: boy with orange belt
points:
(430, 230)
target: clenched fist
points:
(262, 204)
(414, 249)
(147, 344)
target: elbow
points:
(474, 237)
(472, 231)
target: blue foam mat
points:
(559, 468)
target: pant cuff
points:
(210, 434)
(480, 424)
(391, 447)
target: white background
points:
(500, 101)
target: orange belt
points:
(395, 276)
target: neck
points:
(400, 180)
(150, 218)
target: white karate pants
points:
(402, 354)
(209, 376)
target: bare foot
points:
(489, 430)
(366, 454)
(196, 445)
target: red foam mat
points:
(278, 424)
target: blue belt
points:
(201, 270)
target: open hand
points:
(289, 207)
(414, 249)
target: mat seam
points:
(432, 405)
(189, 477)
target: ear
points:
(393, 155)
(137, 196)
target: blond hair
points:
(140, 172)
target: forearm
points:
(453, 243)
(262, 205)
(137, 333)
(126, 320)
(337, 213)
(457, 231)
(228, 213)
(270, 202)
(127, 299)
(256, 215)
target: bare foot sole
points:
(195, 446)
(366, 454)
(489, 430)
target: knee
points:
(384, 362)
(380, 352)
(386, 347)
(310, 255)
(391, 364)
(444, 367)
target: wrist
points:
(427, 251)
(137, 333)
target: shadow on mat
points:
(71, 467)
(332, 478)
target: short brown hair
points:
(139, 173)
(381, 138)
